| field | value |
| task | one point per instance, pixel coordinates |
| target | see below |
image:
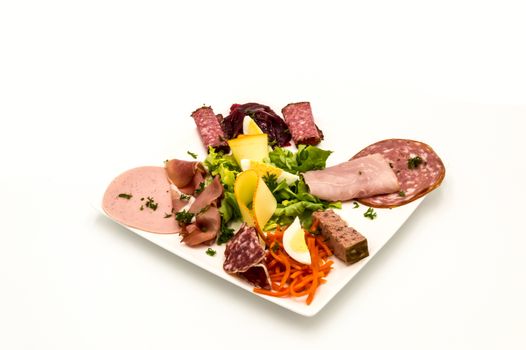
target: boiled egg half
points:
(295, 244)
(250, 127)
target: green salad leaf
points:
(227, 168)
(295, 200)
(305, 159)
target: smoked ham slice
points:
(361, 177)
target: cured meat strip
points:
(243, 251)
(418, 168)
(299, 119)
(347, 244)
(187, 176)
(361, 177)
(210, 129)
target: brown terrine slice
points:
(346, 243)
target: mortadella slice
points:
(141, 198)
(361, 177)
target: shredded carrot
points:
(290, 278)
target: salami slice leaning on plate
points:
(418, 168)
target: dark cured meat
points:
(414, 183)
(243, 251)
(267, 120)
(299, 119)
(210, 129)
(257, 276)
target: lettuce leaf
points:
(305, 159)
(227, 168)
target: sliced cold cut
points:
(141, 198)
(243, 251)
(298, 117)
(209, 127)
(346, 243)
(418, 168)
(361, 177)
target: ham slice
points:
(185, 175)
(126, 198)
(207, 219)
(358, 178)
(205, 228)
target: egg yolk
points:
(297, 243)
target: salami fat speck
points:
(299, 119)
(243, 251)
(418, 168)
(210, 129)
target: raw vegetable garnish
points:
(266, 119)
(290, 278)
(227, 168)
(210, 252)
(370, 213)
(184, 217)
(413, 163)
(305, 159)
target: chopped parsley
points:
(192, 154)
(370, 213)
(166, 215)
(275, 247)
(356, 205)
(184, 217)
(150, 203)
(200, 188)
(125, 195)
(184, 197)
(413, 163)
(401, 194)
(210, 252)
(225, 234)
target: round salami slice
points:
(243, 251)
(418, 168)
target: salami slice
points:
(210, 129)
(257, 276)
(299, 119)
(418, 168)
(243, 251)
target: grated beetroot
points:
(267, 120)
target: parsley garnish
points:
(370, 214)
(413, 163)
(166, 215)
(184, 197)
(192, 154)
(200, 188)
(125, 195)
(184, 217)
(401, 194)
(271, 180)
(275, 247)
(356, 205)
(225, 234)
(210, 252)
(150, 203)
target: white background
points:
(88, 87)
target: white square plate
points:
(377, 232)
